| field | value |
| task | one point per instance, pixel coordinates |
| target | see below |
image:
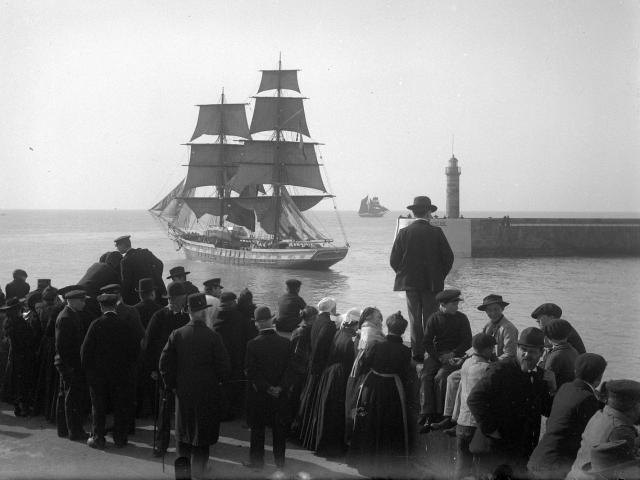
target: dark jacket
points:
(140, 263)
(146, 309)
(162, 323)
(190, 288)
(390, 356)
(235, 331)
(575, 341)
(130, 314)
(17, 288)
(573, 406)
(267, 365)
(445, 333)
(70, 332)
(194, 362)
(97, 276)
(289, 306)
(561, 360)
(322, 332)
(110, 349)
(506, 400)
(421, 257)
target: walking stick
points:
(156, 393)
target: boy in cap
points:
(447, 337)
(162, 323)
(508, 404)
(573, 406)
(473, 369)
(289, 306)
(562, 357)
(178, 274)
(193, 364)
(548, 312)
(213, 287)
(19, 287)
(267, 370)
(616, 421)
(109, 356)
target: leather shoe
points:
(96, 442)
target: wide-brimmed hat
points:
(550, 309)
(197, 302)
(177, 272)
(531, 337)
(263, 314)
(145, 285)
(13, 302)
(491, 299)
(609, 457)
(422, 202)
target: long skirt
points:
(331, 406)
(354, 382)
(380, 440)
(46, 389)
(306, 419)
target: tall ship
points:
(248, 186)
(370, 207)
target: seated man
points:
(446, 339)
(548, 312)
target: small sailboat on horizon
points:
(370, 207)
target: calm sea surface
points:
(599, 296)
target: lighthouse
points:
(453, 188)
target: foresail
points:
(279, 113)
(213, 164)
(364, 205)
(222, 119)
(164, 203)
(278, 79)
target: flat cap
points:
(75, 294)
(227, 297)
(175, 289)
(531, 337)
(63, 291)
(111, 288)
(212, 282)
(121, 238)
(108, 298)
(263, 314)
(447, 296)
(550, 309)
(293, 282)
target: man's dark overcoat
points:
(162, 323)
(146, 308)
(136, 264)
(421, 257)
(17, 288)
(235, 331)
(194, 363)
(97, 276)
(509, 401)
(267, 364)
(70, 332)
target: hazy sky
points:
(542, 96)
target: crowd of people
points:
(344, 386)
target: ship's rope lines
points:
(333, 200)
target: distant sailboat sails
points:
(243, 198)
(370, 207)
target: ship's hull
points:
(372, 214)
(320, 258)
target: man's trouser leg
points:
(440, 385)
(414, 308)
(164, 420)
(453, 384)
(97, 391)
(122, 393)
(279, 443)
(256, 449)
(464, 458)
(199, 459)
(428, 405)
(61, 417)
(74, 395)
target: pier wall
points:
(528, 237)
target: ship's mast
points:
(222, 140)
(278, 164)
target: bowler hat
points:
(446, 296)
(145, 285)
(63, 291)
(491, 299)
(111, 288)
(108, 299)
(177, 272)
(227, 298)
(293, 282)
(623, 394)
(43, 283)
(550, 309)
(121, 239)
(13, 302)
(75, 294)
(19, 273)
(212, 282)
(197, 302)
(175, 289)
(531, 337)
(609, 456)
(422, 202)
(263, 314)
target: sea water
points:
(599, 296)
